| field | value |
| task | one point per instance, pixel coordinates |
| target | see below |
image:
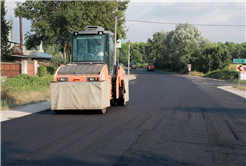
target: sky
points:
(217, 12)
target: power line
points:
(179, 23)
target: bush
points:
(139, 65)
(6, 98)
(26, 82)
(4, 104)
(42, 71)
(51, 70)
(224, 74)
(56, 62)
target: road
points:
(170, 119)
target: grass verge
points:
(24, 89)
(223, 74)
(196, 73)
(240, 87)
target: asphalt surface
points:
(170, 120)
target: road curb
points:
(24, 110)
(238, 92)
(131, 77)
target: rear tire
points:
(113, 101)
(121, 100)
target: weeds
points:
(24, 82)
(11, 118)
(6, 98)
(4, 104)
(240, 87)
(24, 89)
(196, 73)
(224, 74)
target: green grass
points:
(24, 82)
(241, 81)
(4, 105)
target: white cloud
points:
(191, 12)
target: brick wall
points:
(10, 70)
(14, 69)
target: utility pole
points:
(115, 34)
(21, 39)
(129, 56)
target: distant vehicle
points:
(150, 67)
(133, 66)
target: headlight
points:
(92, 79)
(62, 79)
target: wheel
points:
(113, 101)
(120, 100)
(104, 110)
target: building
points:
(27, 54)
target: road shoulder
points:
(24, 110)
(238, 92)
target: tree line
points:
(54, 21)
(174, 50)
(5, 28)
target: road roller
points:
(90, 81)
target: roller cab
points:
(90, 81)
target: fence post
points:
(24, 67)
(35, 66)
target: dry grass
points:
(11, 118)
(15, 99)
(32, 96)
(6, 98)
(196, 73)
(232, 67)
(240, 87)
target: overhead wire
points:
(179, 23)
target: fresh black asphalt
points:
(170, 119)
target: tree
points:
(184, 45)
(135, 52)
(123, 52)
(154, 48)
(54, 21)
(5, 28)
(215, 57)
(243, 55)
